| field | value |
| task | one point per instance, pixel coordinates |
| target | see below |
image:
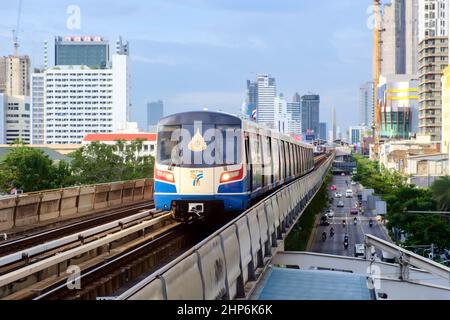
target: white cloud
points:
(153, 60)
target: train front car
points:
(199, 168)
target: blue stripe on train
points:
(165, 187)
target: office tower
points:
(433, 59)
(323, 131)
(82, 51)
(251, 99)
(267, 92)
(155, 111)
(69, 102)
(2, 119)
(333, 123)
(294, 112)
(399, 25)
(15, 119)
(296, 98)
(310, 114)
(366, 104)
(15, 75)
(398, 95)
(445, 145)
(355, 134)
(281, 115)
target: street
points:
(335, 245)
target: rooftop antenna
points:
(16, 30)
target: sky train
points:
(214, 162)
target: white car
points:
(349, 193)
(338, 195)
(353, 183)
(329, 213)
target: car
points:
(353, 183)
(333, 188)
(329, 213)
(324, 221)
(349, 193)
(343, 174)
(338, 195)
(354, 211)
(340, 204)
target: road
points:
(335, 245)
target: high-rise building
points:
(91, 51)
(15, 75)
(398, 95)
(15, 117)
(69, 102)
(2, 118)
(267, 91)
(323, 131)
(294, 112)
(296, 98)
(355, 134)
(251, 99)
(310, 114)
(282, 118)
(122, 47)
(399, 25)
(433, 59)
(445, 146)
(155, 111)
(366, 104)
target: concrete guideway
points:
(64, 256)
(227, 264)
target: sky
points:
(196, 54)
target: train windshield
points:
(199, 146)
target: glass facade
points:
(94, 54)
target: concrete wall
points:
(30, 209)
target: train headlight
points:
(232, 175)
(164, 175)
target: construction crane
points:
(376, 74)
(16, 30)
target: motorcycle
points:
(345, 244)
(355, 221)
(331, 233)
(344, 223)
(324, 237)
(371, 223)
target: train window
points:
(168, 152)
(292, 159)
(288, 160)
(268, 161)
(228, 151)
(255, 148)
(275, 159)
(282, 160)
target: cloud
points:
(153, 60)
(258, 43)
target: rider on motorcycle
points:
(324, 236)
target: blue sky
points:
(199, 53)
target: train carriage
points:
(210, 162)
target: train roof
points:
(205, 116)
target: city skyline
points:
(192, 68)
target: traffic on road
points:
(342, 226)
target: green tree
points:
(441, 193)
(95, 163)
(28, 169)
